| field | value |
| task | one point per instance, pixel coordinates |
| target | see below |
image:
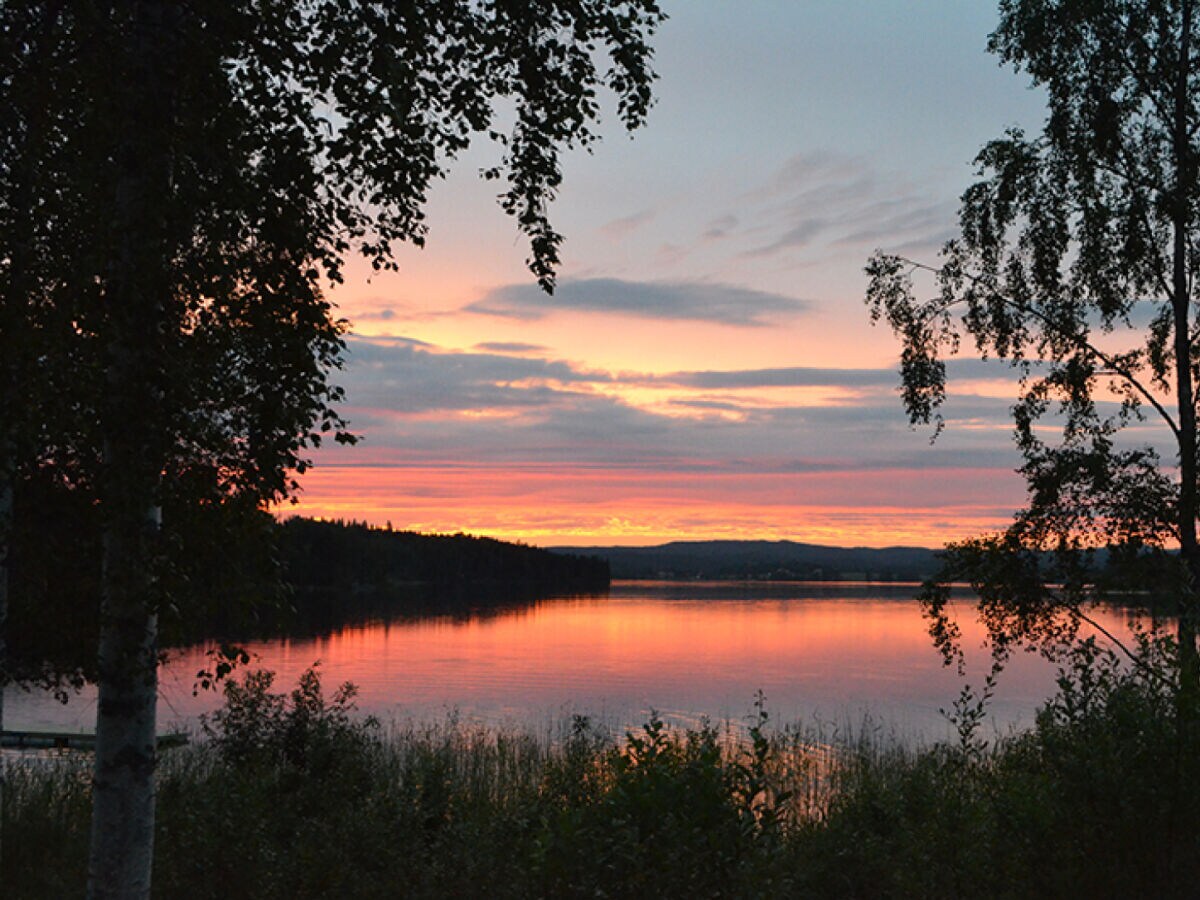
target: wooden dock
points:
(70, 740)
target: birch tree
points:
(202, 170)
(1077, 263)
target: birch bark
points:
(135, 434)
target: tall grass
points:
(291, 796)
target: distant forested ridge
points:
(357, 556)
(765, 561)
(339, 572)
(239, 575)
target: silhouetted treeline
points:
(766, 561)
(233, 572)
(356, 556)
(349, 571)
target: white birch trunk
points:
(5, 532)
(122, 837)
(134, 423)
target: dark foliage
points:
(234, 573)
(1075, 265)
(294, 798)
(354, 555)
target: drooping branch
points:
(1139, 78)
(1074, 337)
(1131, 655)
(1160, 265)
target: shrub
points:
(291, 797)
(302, 728)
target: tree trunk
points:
(1185, 171)
(135, 430)
(1187, 700)
(6, 499)
(122, 839)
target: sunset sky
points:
(707, 368)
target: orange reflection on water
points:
(821, 653)
(831, 653)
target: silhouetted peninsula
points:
(359, 557)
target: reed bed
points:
(293, 796)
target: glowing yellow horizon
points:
(596, 507)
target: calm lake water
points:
(833, 655)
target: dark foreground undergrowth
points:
(291, 797)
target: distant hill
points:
(346, 571)
(764, 560)
(356, 556)
(228, 571)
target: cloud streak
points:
(833, 202)
(716, 303)
(796, 376)
(406, 376)
(416, 401)
(619, 229)
(451, 433)
(863, 212)
(807, 376)
(515, 347)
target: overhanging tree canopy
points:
(1077, 263)
(178, 181)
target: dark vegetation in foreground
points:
(292, 797)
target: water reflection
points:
(830, 653)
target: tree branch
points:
(1079, 340)
(1130, 165)
(1138, 75)
(1133, 657)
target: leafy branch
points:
(1079, 340)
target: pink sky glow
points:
(707, 368)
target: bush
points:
(302, 729)
(1101, 798)
(691, 814)
(292, 797)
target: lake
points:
(832, 655)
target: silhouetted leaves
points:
(1075, 264)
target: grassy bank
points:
(291, 796)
